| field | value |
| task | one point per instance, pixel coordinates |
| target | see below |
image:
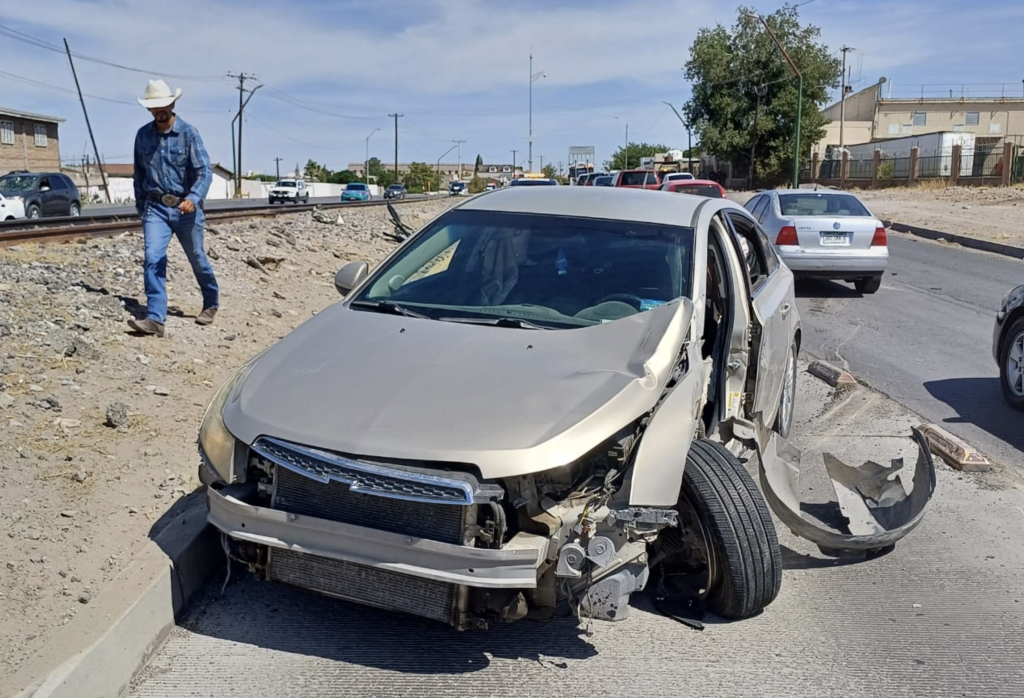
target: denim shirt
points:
(174, 162)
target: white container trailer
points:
(935, 152)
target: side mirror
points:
(44, 188)
(350, 276)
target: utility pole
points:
(242, 77)
(395, 116)
(99, 163)
(541, 163)
(366, 162)
(513, 163)
(625, 148)
(799, 100)
(277, 161)
(689, 139)
(459, 145)
(842, 98)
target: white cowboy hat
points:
(158, 94)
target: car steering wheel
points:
(629, 298)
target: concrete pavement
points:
(925, 338)
(941, 615)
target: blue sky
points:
(458, 70)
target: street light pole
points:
(533, 78)
(625, 149)
(366, 163)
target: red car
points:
(638, 179)
(700, 187)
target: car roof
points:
(640, 205)
(810, 191)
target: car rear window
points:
(821, 204)
(699, 190)
(631, 179)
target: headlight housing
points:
(215, 441)
(1012, 297)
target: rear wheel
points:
(784, 419)
(1011, 365)
(868, 284)
(74, 211)
(725, 534)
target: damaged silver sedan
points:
(544, 398)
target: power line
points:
(12, 33)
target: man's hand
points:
(186, 206)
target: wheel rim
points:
(33, 214)
(74, 211)
(787, 392)
(1015, 366)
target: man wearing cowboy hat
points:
(172, 178)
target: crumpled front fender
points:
(872, 497)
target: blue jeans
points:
(158, 224)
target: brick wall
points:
(24, 154)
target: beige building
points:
(28, 142)
(872, 115)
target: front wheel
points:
(868, 284)
(1011, 365)
(33, 212)
(727, 533)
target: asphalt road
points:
(215, 205)
(925, 339)
(941, 615)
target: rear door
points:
(772, 323)
(829, 222)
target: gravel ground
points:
(98, 425)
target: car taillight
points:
(787, 236)
(879, 240)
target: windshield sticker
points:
(648, 303)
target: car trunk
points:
(824, 234)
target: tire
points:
(272, 201)
(784, 419)
(74, 210)
(869, 284)
(33, 212)
(746, 570)
(1011, 380)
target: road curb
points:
(99, 652)
(962, 240)
(955, 451)
(833, 375)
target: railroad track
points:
(115, 224)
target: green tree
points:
(420, 177)
(635, 151)
(479, 163)
(550, 171)
(730, 69)
(344, 177)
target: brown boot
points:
(206, 317)
(147, 326)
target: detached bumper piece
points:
(872, 497)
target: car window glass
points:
(557, 270)
(771, 256)
(821, 204)
(762, 203)
(59, 183)
(755, 256)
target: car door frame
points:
(773, 311)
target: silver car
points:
(1008, 346)
(535, 401)
(826, 234)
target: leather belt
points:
(171, 200)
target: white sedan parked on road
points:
(826, 234)
(11, 209)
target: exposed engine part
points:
(638, 515)
(608, 599)
(570, 560)
(600, 550)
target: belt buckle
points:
(170, 200)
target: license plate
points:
(831, 239)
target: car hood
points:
(511, 401)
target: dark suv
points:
(43, 193)
(395, 191)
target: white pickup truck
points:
(294, 190)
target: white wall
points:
(122, 189)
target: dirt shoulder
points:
(98, 426)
